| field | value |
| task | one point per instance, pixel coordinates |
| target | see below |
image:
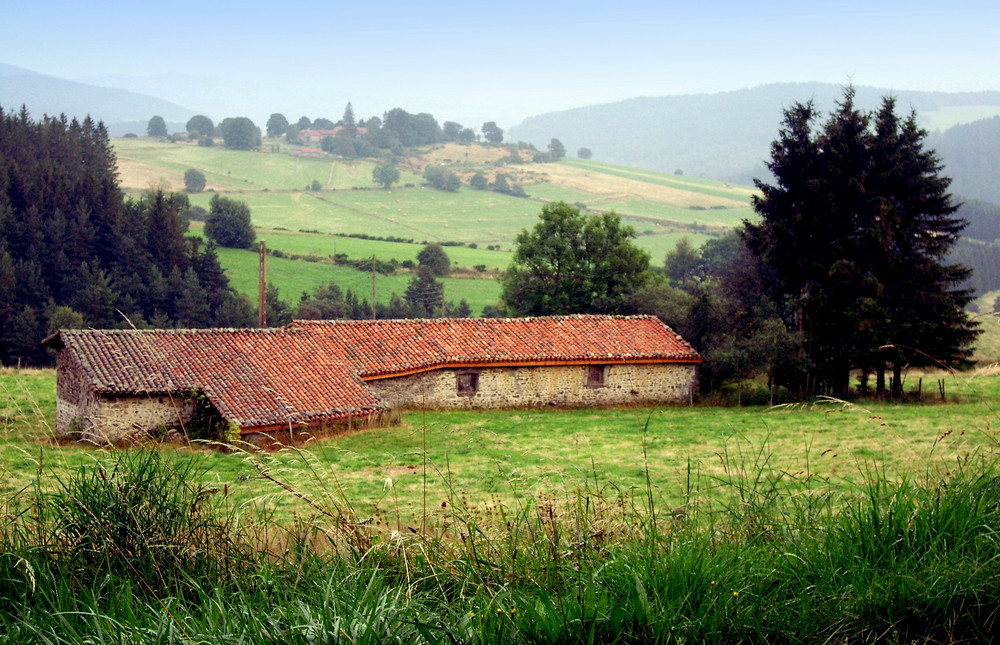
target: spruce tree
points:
(855, 229)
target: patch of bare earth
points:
(612, 186)
(457, 153)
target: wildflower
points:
(513, 609)
(712, 583)
(736, 594)
(472, 615)
(499, 611)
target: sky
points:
(503, 61)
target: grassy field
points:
(294, 277)
(142, 162)
(417, 213)
(827, 522)
(326, 245)
(485, 456)
(662, 208)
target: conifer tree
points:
(855, 229)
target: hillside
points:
(478, 227)
(971, 153)
(725, 136)
(120, 110)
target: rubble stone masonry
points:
(566, 385)
(109, 419)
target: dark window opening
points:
(468, 383)
(596, 375)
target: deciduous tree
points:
(385, 174)
(194, 180)
(492, 132)
(200, 126)
(240, 133)
(157, 127)
(434, 257)
(557, 149)
(277, 125)
(571, 263)
(228, 223)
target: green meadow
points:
(293, 277)
(503, 454)
(227, 170)
(327, 245)
(302, 222)
(828, 521)
(415, 213)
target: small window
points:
(468, 383)
(596, 375)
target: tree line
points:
(391, 133)
(424, 298)
(74, 252)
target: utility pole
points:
(262, 305)
(373, 287)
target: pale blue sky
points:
(504, 61)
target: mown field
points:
(662, 208)
(295, 277)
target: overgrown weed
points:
(135, 548)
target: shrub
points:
(194, 181)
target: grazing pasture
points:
(662, 208)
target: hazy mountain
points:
(723, 136)
(971, 153)
(122, 111)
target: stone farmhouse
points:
(114, 385)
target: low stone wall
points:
(110, 419)
(121, 418)
(500, 387)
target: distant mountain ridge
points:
(120, 110)
(724, 136)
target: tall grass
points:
(133, 549)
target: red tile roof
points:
(384, 348)
(314, 371)
(255, 378)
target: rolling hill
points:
(726, 136)
(310, 228)
(120, 110)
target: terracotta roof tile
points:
(313, 371)
(387, 347)
(255, 378)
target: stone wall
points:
(110, 419)
(534, 386)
